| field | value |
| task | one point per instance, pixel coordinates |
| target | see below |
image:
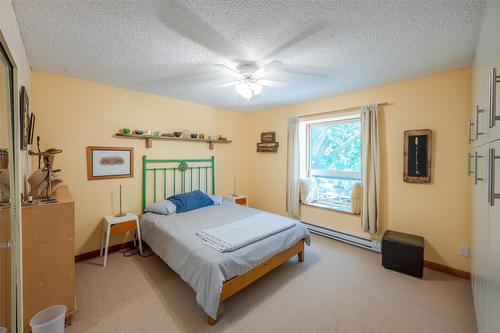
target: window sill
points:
(337, 208)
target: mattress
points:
(173, 238)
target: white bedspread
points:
(232, 236)
(173, 238)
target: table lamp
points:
(121, 213)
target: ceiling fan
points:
(250, 78)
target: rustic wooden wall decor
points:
(417, 156)
(268, 143)
(268, 137)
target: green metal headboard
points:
(177, 176)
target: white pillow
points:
(217, 199)
(164, 207)
(356, 198)
(308, 189)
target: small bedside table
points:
(240, 199)
(114, 225)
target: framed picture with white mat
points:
(110, 162)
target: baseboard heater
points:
(369, 244)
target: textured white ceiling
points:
(169, 47)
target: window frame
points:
(325, 173)
(352, 175)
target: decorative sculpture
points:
(44, 181)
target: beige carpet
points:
(339, 288)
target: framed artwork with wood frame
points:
(24, 118)
(110, 162)
(417, 156)
(31, 131)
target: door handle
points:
(476, 178)
(478, 111)
(492, 195)
(493, 80)
(470, 138)
(6, 244)
(469, 168)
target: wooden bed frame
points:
(239, 282)
(199, 174)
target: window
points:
(334, 160)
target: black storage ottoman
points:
(403, 253)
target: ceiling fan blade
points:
(270, 66)
(312, 30)
(272, 83)
(196, 76)
(182, 20)
(288, 71)
(229, 84)
(230, 70)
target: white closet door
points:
(479, 175)
(494, 239)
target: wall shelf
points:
(149, 139)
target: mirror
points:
(7, 311)
(5, 113)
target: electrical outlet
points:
(463, 250)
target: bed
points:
(214, 276)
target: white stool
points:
(113, 225)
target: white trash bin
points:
(49, 320)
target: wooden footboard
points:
(239, 282)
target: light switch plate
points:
(463, 250)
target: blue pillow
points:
(189, 201)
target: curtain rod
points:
(340, 110)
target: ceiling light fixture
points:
(248, 88)
(249, 81)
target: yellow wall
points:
(437, 211)
(72, 114)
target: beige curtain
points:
(293, 169)
(370, 169)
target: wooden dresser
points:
(48, 232)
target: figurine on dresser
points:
(43, 182)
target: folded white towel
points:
(235, 235)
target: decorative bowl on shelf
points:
(125, 130)
(194, 135)
(178, 134)
(139, 132)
